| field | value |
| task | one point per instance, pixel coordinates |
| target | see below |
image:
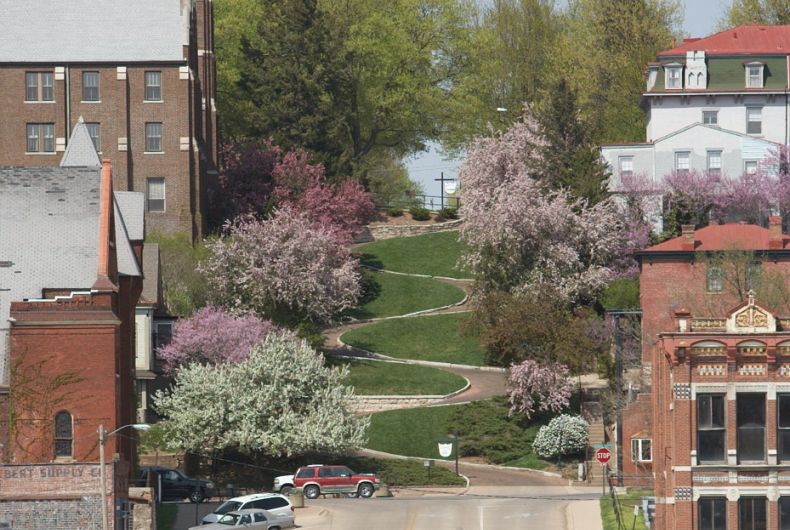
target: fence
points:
(645, 505)
(433, 203)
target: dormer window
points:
(754, 75)
(674, 76)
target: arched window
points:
(64, 436)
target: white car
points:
(284, 484)
(253, 519)
(271, 502)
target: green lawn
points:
(382, 378)
(428, 338)
(627, 503)
(389, 295)
(410, 432)
(432, 254)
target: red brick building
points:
(70, 278)
(141, 75)
(718, 433)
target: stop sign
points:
(603, 455)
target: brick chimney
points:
(103, 281)
(775, 232)
(687, 232)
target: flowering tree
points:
(564, 435)
(281, 400)
(213, 336)
(547, 385)
(523, 237)
(284, 269)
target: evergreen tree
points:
(570, 158)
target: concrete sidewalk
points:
(583, 515)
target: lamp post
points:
(103, 435)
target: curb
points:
(353, 321)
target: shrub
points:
(447, 213)
(395, 212)
(564, 435)
(419, 214)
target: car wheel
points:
(197, 496)
(312, 491)
(286, 490)
(274, 528)
(365, 490)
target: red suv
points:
(319, 479)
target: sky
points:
(700, 20)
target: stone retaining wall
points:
(369, 404)
(387, 231)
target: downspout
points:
(67, 75)
(692, 402)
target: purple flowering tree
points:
(283, 268)
(531, 384)
(213, 336)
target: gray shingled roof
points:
(132, 205)
(49, 229)
(63, 31)
(127, 261)
(80, 152)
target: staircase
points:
(592, 412)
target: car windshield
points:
(229, 519)
(228, 506)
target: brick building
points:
(717, 440)
(141, 75)
(70, 279)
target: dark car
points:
(174, 484)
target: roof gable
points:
(80, 152)
(693, 131)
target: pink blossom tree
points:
(530, 384)
(284, 268)
(523, 237)
(213, 336)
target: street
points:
(481, 508)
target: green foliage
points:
(432, 254)
(447, 213)
(564, 435)
(395, 212)
(768, 12)
(387, 295)
(185, 290)
(419, 213)
(429, 338)
(627, 501)
(385, 378)
(570, 158)
(411, 432)
(154, 439)
(396, 472)
(622, 293)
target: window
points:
(750, 167)
(710, 117)
(751, 427)
(784, 513)
(63, 434)
(712, 513)
(682, 161)
(754, 120)
(39, 86)
(626, 166)
(259, 517)
(93, 132)
(715, 278)
(153, 137)
(306, 472)
(269, 503)
(326, 472)
(156, 195)
(640, 450)
(40, 138)
(754, 75)
(751, 513)
(153, 86)
(674, 78)
(714, 163)
(164, 332)
(710, 428)
(783, 434)
(90, 86)
(753, 271)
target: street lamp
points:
(103, 435)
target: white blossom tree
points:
(282, 400)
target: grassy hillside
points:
(431, 254)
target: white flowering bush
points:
(564, 435)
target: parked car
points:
(176, 485)
(319, 479)
(271, 502)
(284, 484)
(253, 518)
